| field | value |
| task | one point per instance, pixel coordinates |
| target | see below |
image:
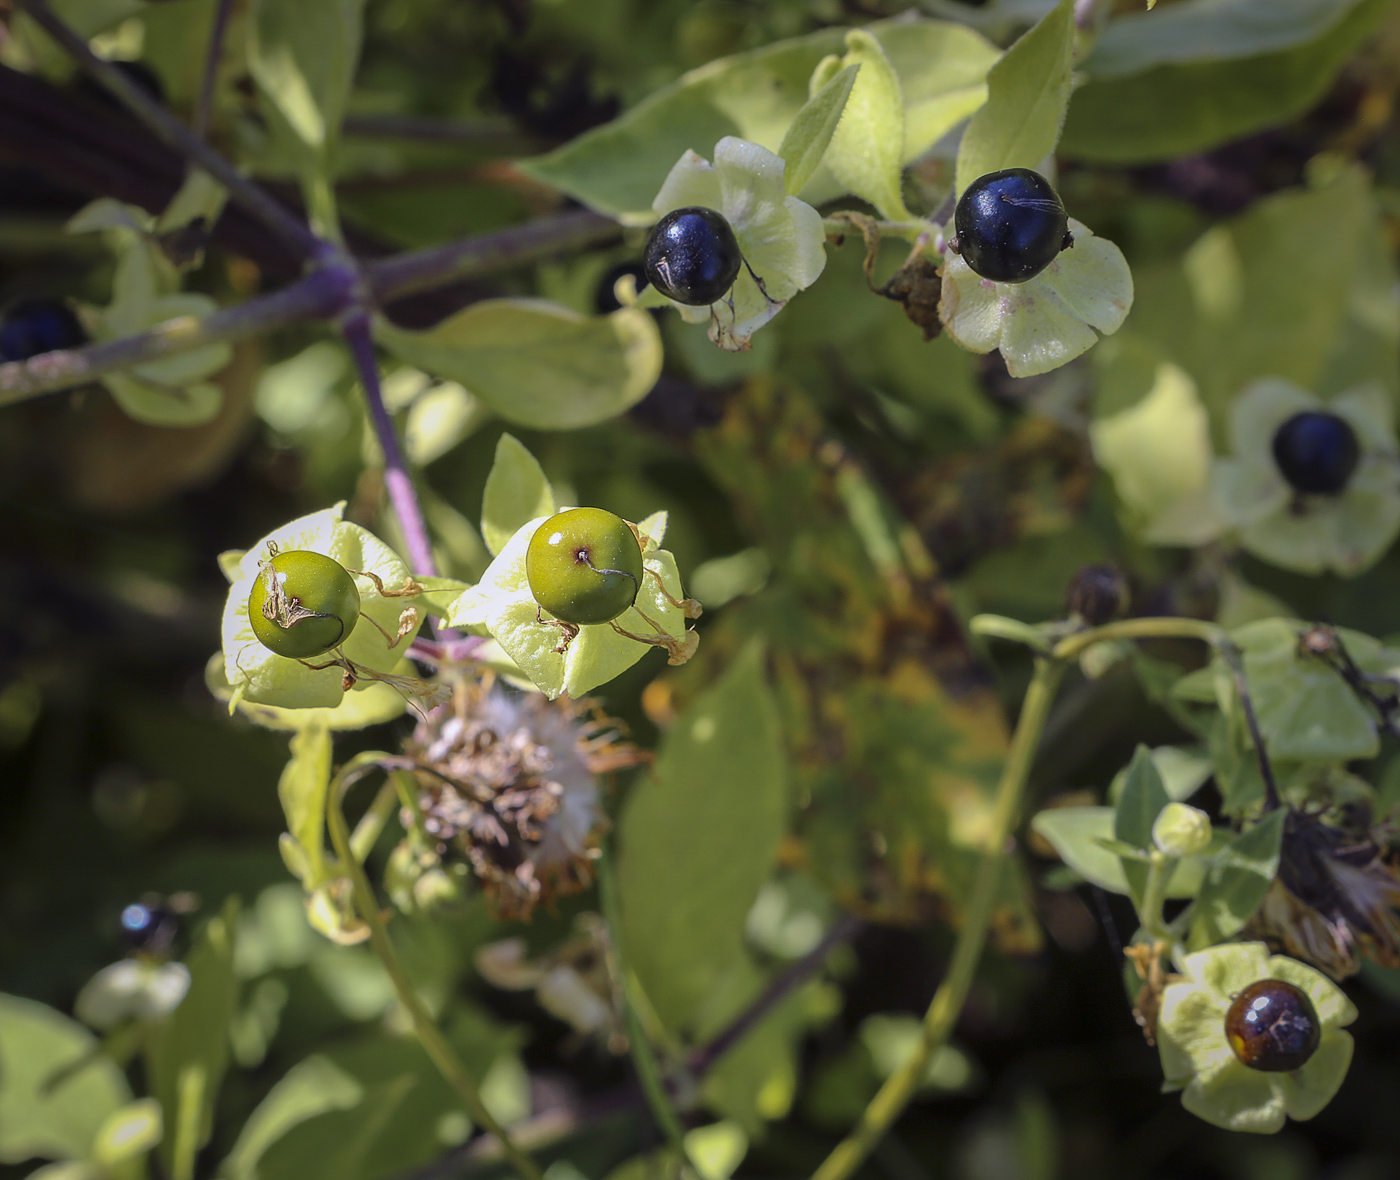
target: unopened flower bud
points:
(1181, 830)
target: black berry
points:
(1273, 1026)
(34, 326)
(1098, 594)
(1316, 452)
(1010, 225)
(692, 256)
(149, 926)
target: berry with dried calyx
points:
(584, 566)
(303, 604)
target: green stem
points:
(1154, 893)
(431, 1038)
(948, 1000)
(1162, 627)
(648, 1075)
(908, 230)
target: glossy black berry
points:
(34, 326)
(1316, 452)
(692, 256)
(1010, 225)
(1273, 1026)
(149, 926)
(1098, 594)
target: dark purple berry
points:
(1273, 1026)
(1010, 225)
(149, 926)
(1316, 452)
(692, 256)
(34, 326)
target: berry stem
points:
(947, 1004)
(434, 1043)
(643, 1060)
(258, 202)
(402, 494)
(213, 56)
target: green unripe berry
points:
(303, 604)
(584, 566)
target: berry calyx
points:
(35, 326)
(303, 604)
(692, 256)
(1010, 225)
(584, 566)
(1272, 1026)
(1317, 452)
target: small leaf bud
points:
(1181, 830)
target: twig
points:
(399, 484)
(277, 217)
(703, 1059)
(1231, 655)
(324, 294)
(205, 108)
(648, 1073)
(420, 269)
(431, 1038)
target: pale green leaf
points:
(516, 491)
(806, 140)
(59, 1121)
(1169, 106)
(372, 703)
(302, 791)
(312, 1087)
(303, 57)
(537, 364)
(1027, 96)
(1142, 799)
(866, 153)
(1235, 885)
(618, 168)
(1078, 834)
(698, 838)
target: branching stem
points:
(434, 1043)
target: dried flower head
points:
(1335, 897)
(508, 782)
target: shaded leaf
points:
(537, 364)
(1237, 881)
(1078, 834)
(1143, 797)
(302, 791)
(698, 838)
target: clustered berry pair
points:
(1010, 227)
(584, 566)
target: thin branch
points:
(402, 494)
(420, 269)
(481, 133)
(1231, 655)
(321, 295)
(324, 294)
(205, 108)
(703, 1059)
(176, 134)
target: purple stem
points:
(704, 1058)
(205, 108)
(402, 495)
(445, 650)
